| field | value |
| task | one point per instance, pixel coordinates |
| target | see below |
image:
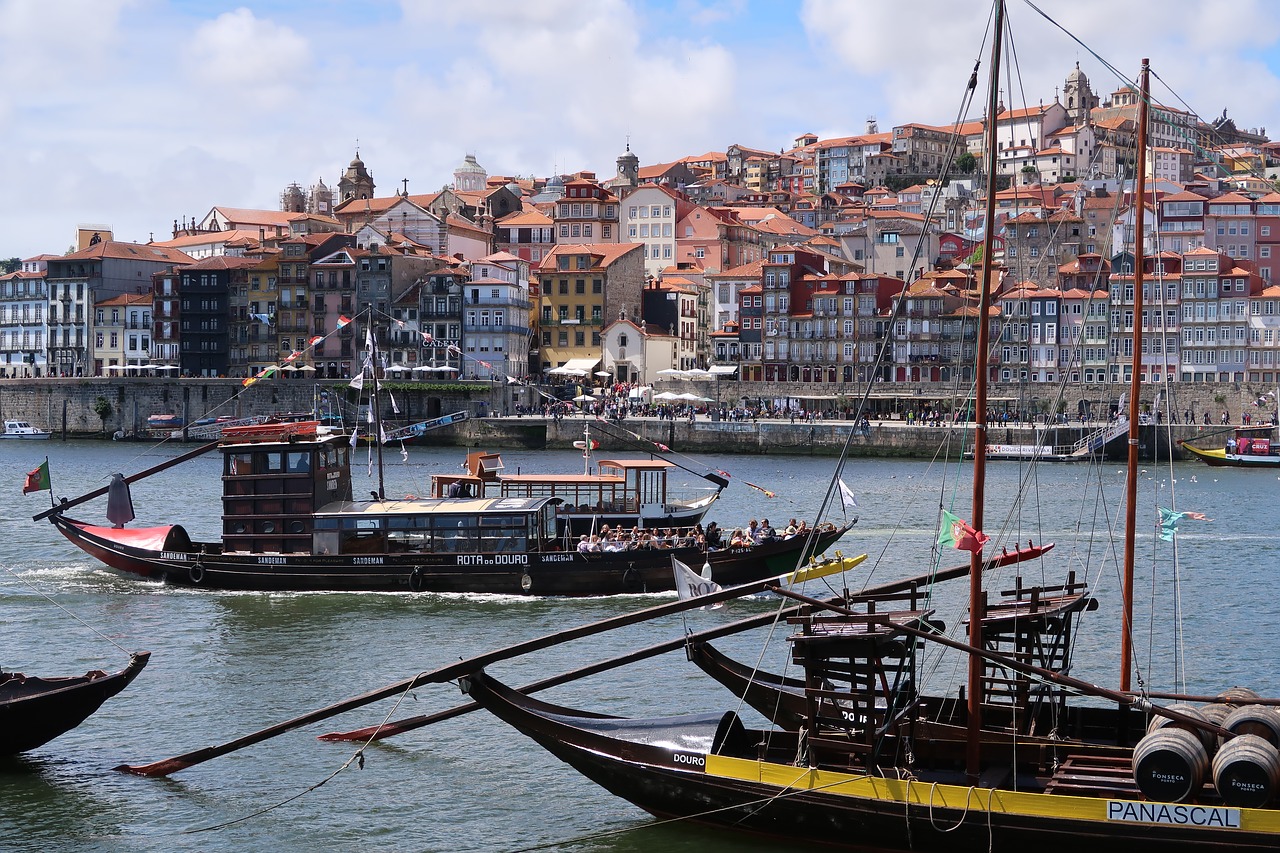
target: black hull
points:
(34, 711)
(794, 807)
(178, 561)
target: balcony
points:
(520, 304)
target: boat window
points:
(299, 461)
(328, 523)
(362, 524)
(273, 462)
(239, 464)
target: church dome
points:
(1077, 76)
(469, 164)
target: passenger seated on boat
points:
(789, 532)
(593, 544)
(766, 532)
(737, 540)
(455, 489)
(583, 545)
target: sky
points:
(136, 113)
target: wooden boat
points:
(34, 711)
(23, 430)
(864, 761)
(1249, 447)
(290, 523)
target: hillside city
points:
(762, 266)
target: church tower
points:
(1078, 98)
(356, 182)
(470, 176)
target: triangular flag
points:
(357, 381)
(343, 320)
(847, 500)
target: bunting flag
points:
(1169, 521)
(847, 500)
(317, 339)
(261, 374)
(357, 382)
(960, 534)
(399, 324)
(263, 318)
(662, 447)
(762, 489)
(426, 338)
(689, 584)
(343, 320)
(37, 480)
(724, 474)
(355, 435)
(293, 356)
(368, 340)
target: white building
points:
(23, 302)
(649, 216)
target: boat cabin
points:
(274, 479)
(1254, 441)
(435, 526)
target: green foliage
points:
(966, 163)
(9, 265)
(103, 409)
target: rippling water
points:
(226, 664)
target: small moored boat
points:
(1248, 447)
(23, 429)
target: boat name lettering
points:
(852, 716)
(693, 759)
(557, 558)
(493, 560)
(272, 561)
(367, 561)
(1178, 815)
(172, 555)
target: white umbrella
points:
(705, 400)
(671, 371)
(698, 373)
(163, 366)
(584, 398)
(667, 395)
(290, 368)
(422, 368)
(306, 368)
(687, 396)
(603, 373)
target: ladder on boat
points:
(1099, 438)
(418, 429)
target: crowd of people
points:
(710, 538)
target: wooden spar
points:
(1135, 387)
(973, 754)
(378, 732)
(1126, 699)
(376, 403)
(132, 478)
(445, 673)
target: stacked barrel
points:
(1172, 760)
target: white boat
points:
(22, 429)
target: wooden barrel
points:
(1257, 720)
(1246, 772)
(1235, 695)
(1209, 739)
(1169, 765)
(1216, 712)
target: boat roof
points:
(567, 479)
(435, 506)
(638, 464)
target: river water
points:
(226, 664)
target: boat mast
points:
(377, 406)
(1135, 388)
(973, 752)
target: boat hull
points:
(166, 554)
(853, 811)
(34, 711)
(1220, 458)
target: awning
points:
(723, 369)
(580, 366)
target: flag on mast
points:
(37, 480)
(689, 584)
(1169, 521)
(960, 534)
(847, 500)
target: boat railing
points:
(210, 432)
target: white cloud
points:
(247, 62)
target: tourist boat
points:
(860, 759)
(1249, 447)
(626, 492)
(290, 523)
(23, 430)
(35, 710)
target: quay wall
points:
(67, 407)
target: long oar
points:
(446, 673)
(385, 730)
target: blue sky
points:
(135, 113)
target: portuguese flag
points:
(37, 480)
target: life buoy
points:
(416, 580)
(631, 578)
(526, 582)
(196, 573)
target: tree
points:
(103, 409)
(10, 265)
(966, 163)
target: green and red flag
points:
(37, 480)
(960, 534)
